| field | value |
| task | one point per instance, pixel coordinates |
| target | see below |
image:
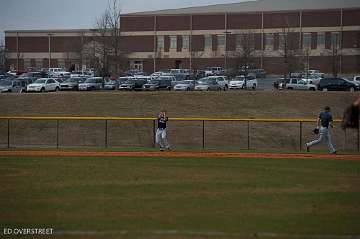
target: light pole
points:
(49, 39)
(225, 51)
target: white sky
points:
(72, 14)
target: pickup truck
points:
(299, 84)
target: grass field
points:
(181, 198)
(230, 104)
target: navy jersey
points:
(162, 122)
(325, 118)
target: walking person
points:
(324, 122)
(161, 137)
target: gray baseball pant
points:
(324, 134)
(161, 138)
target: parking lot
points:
(210, 79)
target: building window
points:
(269, 41)
(136, 65)
(245, 41)
(238, 41)
(321, 40)
(208, 42)
(173, 42)
(27, 63)
(61, 63)
(335, 40)
(282, 41)
(39, 64)
(306, 40)
(185, 42)
(160, 42)
(221, 41)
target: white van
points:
(58, 72)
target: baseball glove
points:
(350, 117)
(316, 131)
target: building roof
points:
(51, 31)
(259, 6)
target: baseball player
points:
(161, 131)
(323, 123)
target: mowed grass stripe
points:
(233, 196)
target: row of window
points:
(307, 39)
(248, 40)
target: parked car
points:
(243, 82)
(25, 81)
(221, 80)
(207, 84)
(337, 84)
(134, 73)
(280, 83)
(35, 74)
(111, 84)
(299, 84)
(72, 83)
(210, 71)
(181, 74)
(85, 74)
(355, 80)
(158, 74)
(58, 72)
(313, 79)
(11, 86)
(5, 76)
(186, 85)
(158, 84)
(316, 73)
(93, 83)
(258, 73)
(133, 84)
(43, 84)
(123, 79)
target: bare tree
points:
(113, 13)
(335, 43)
(102, 46)
(289, 49)
(108, 38)
(245, 54)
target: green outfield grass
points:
(181, 198)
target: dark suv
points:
(336, 84)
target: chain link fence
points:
(183, 133)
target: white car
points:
(315, 73)
(209, 71)
(300, 84)
(43, 84)
(239, 83)
(355, 80)
(312, 80)
(186, 85)
(58, 72)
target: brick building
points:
(320, 34)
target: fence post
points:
(300, 135)
(203, 134)
(358, 136)
(106, 133)
(8, 133)
(248, 134)
(57, 134)
(345, 139)
(154, 133)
